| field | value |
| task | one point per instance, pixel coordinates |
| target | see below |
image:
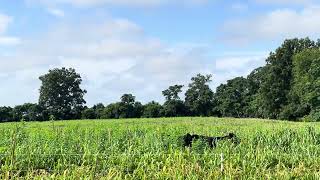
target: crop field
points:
(150, 149)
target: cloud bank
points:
(113, 57)
(274, 25)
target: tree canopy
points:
(61, 94)
(173, 105)
(306, 84)
(199, 96)
(275, 88)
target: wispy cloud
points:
(56, 12)
(277, 24)
(286, 2)
(4, 22)
(4, 38)
(113, 57)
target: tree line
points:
(287, 87)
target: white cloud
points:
(278, 24)
(229, 63)
(237, 64)
(9, 41)
(113, 57)
(4, 24)
(56, 12)
(288, 2)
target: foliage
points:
(254, 82)
(60, 93)
(6, 114)
(138, 110)
(126, 108)
(173, 107)
(28, 112)
(172, 93)
(232, 98)
(199, 96)
(307, 77)
(98, 109)
(314, 115)
(111, 111)
(88, 113)
(306, 84)
(152, 110)
(277, 83)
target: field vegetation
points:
(150, 149)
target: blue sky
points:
(141, 46)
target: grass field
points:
(149, 149)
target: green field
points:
(149, 149)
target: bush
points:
(88, 114)
(152, 110)
(314, 116)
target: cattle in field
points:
(211, 141)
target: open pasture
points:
(149, 149)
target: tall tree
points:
(254, 81)
(98, 109)
(61, 94)
(127, 108)
(173, 106)
(6, 114)
(232, 98)
(138, 109)
(199, 96)
(307, 81)
(128, 99)
(172, 93)
(111, 111)
(152, 110)
(88, 113)
(275, 89)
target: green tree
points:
(307, 80)
(127, 106)
(6, 114)
(173, 106)
(111, 111)
(199, 96)
(28, 112)
(128, 99)
(138, 109)
(88, 113)
(232, 98)
(172, 93)
(61, 94)
(152, 110)
(254, 81)
(274, 91)
(98, 109)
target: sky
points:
(142, 46)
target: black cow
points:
(212, 141)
